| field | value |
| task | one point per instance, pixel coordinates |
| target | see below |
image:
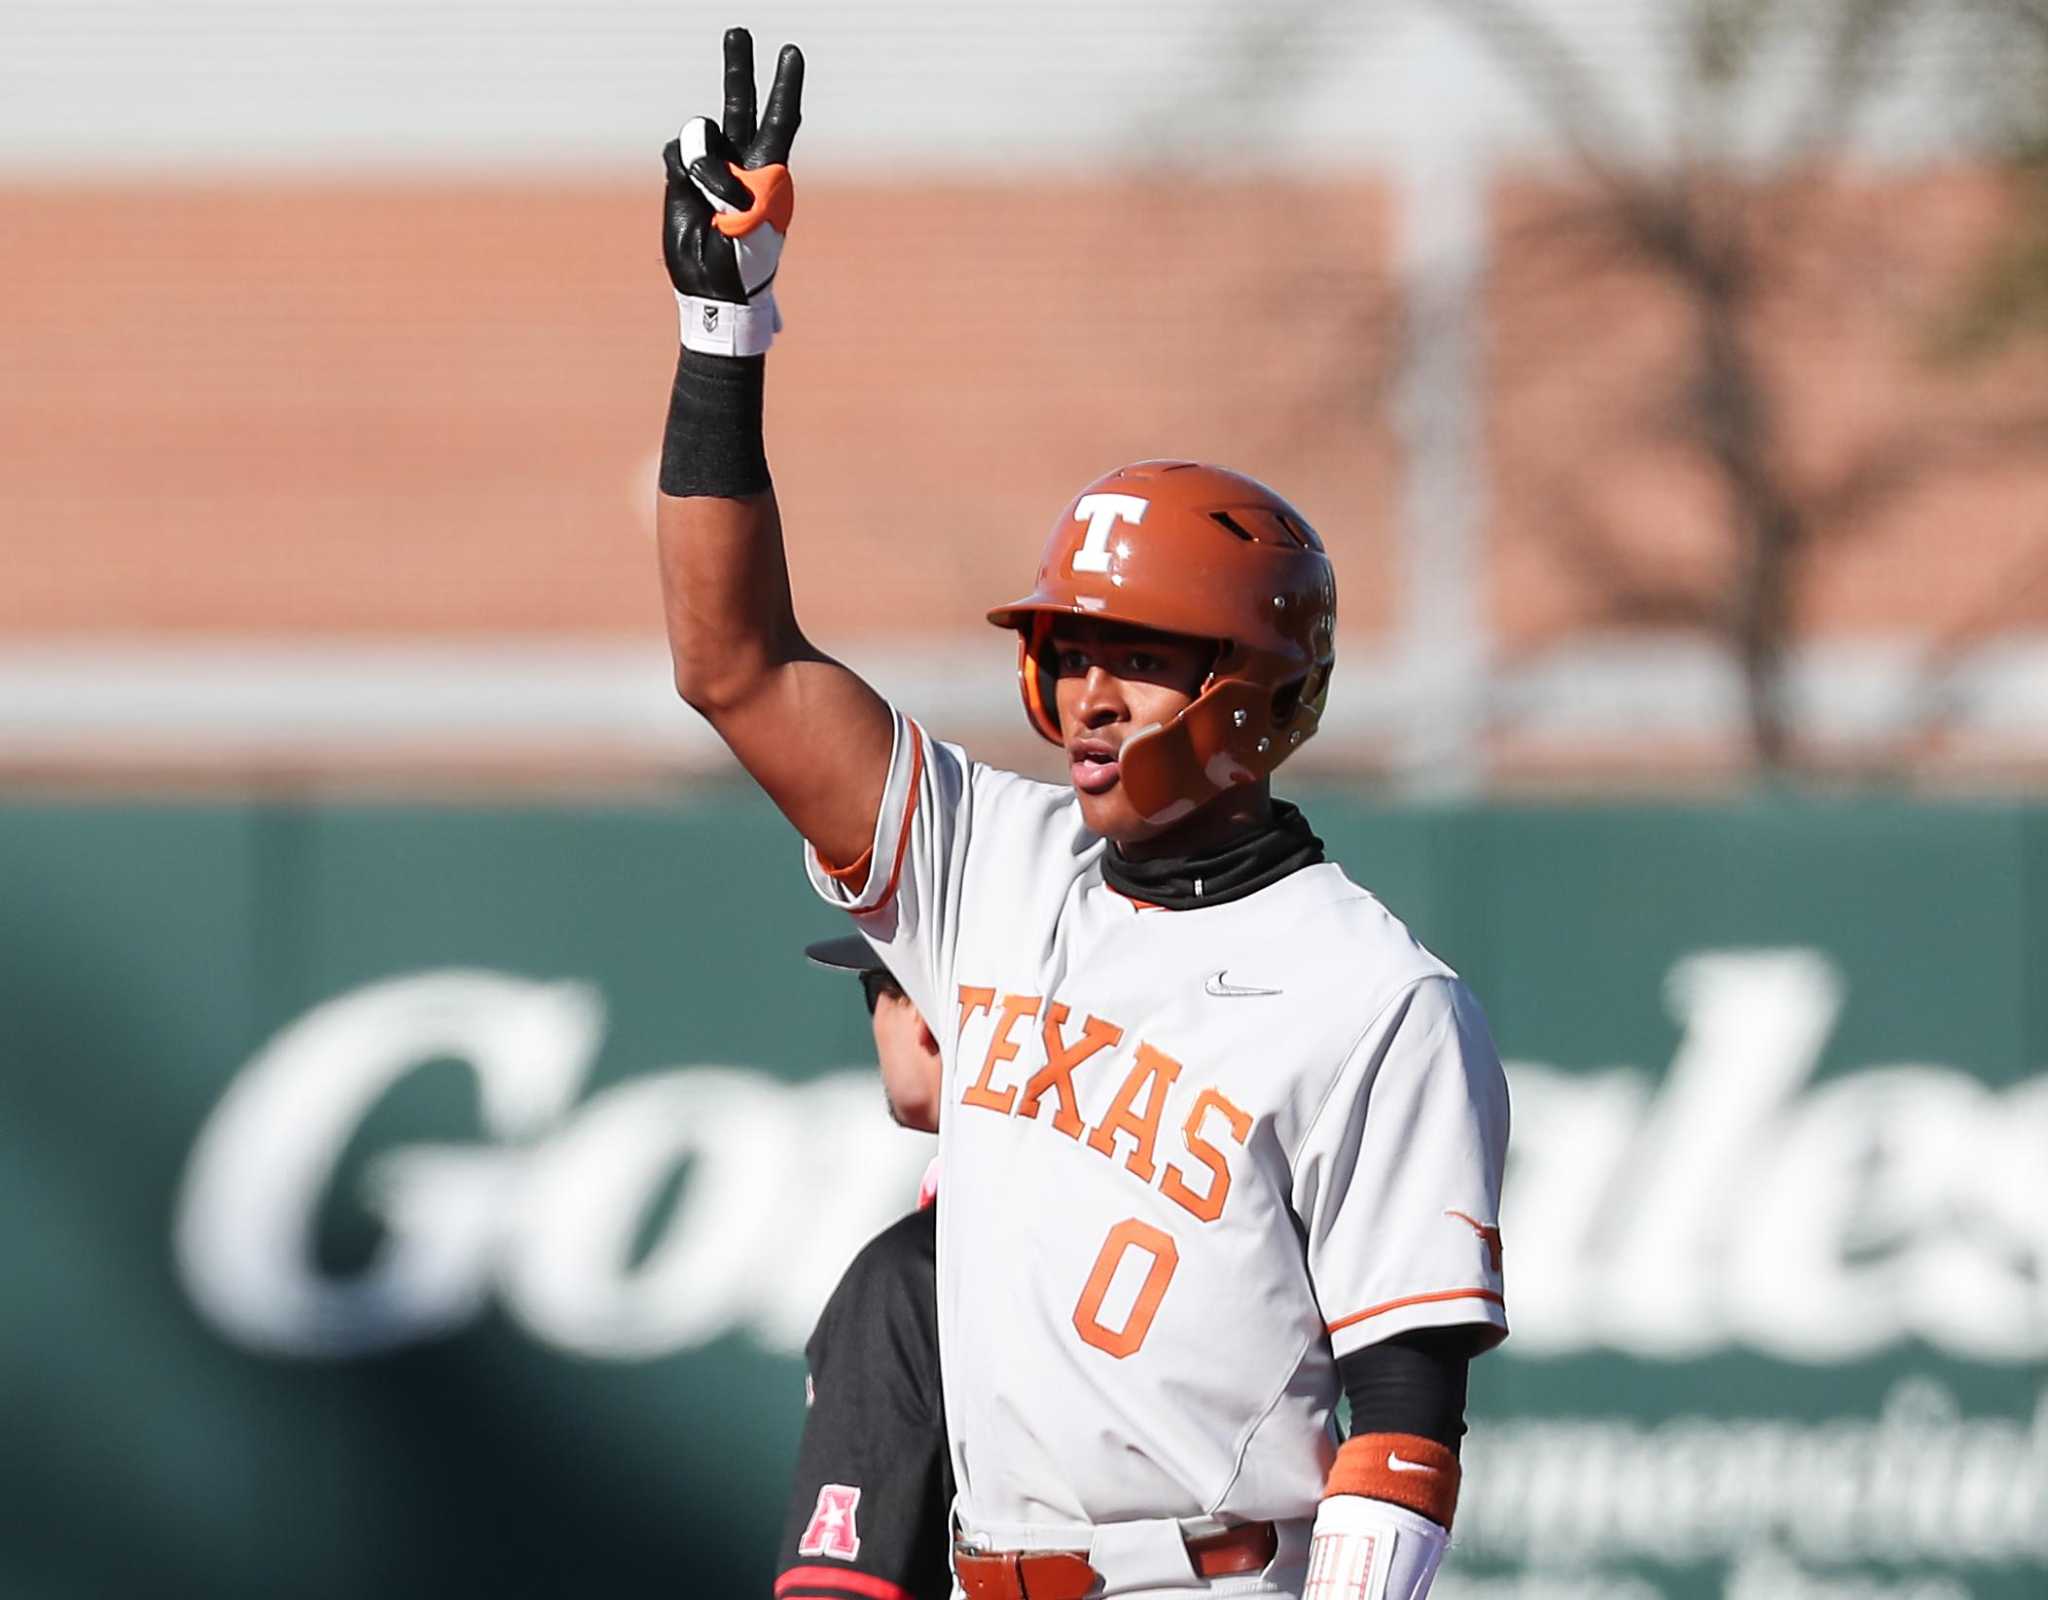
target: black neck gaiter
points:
(1244, 866)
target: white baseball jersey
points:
(1191, 1156)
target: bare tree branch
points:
(1537, 55)
(1748, 238)
(1663, 286)
(1863, 32)
(1619, 588)
(1906, 458)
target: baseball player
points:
(867, 1516)
(1221, 1140)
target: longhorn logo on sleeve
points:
(832, 1531)
(1489, 1236)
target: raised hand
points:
(728, 206)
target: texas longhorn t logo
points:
(1102, 512)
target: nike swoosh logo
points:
(1218, 986)
(1396, 1464)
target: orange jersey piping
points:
(1413, 1300)
(909, 815)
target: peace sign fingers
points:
(785, 112)
(729, 203)
(739, 88)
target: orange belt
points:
(1066, 1575)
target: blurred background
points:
(422, 1149)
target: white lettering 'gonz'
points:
(1218, 986)
(1102, 512)
(1396, 1464)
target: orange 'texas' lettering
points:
(1134, 1112)
(972, 999)
(1206, 1207)
(1060, 1061)
(1153, 1069)
(1001, 1048)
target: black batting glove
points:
(728, 206)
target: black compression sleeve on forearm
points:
(712, 444)
(1411, 1383)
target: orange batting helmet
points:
(1183, 548)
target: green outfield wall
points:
(433, 1202)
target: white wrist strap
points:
(1369, 1550)
(724, 328)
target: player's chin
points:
(1108, 814)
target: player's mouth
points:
(1092, 762)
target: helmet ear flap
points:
(1037, 679)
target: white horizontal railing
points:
(441, 702)
(139, 86)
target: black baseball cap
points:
(848, 953)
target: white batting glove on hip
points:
(1369, 1550)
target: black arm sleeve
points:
(711, 444)
(873, 1490)
(1411, 1383)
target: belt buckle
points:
(1243, 1547)
(1023, 1574)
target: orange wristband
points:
(1403, 1469)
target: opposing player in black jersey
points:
(867, 1516)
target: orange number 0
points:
(1165, 1256)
